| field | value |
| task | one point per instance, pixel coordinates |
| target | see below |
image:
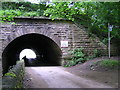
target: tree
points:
(14, 9)
(94, 15)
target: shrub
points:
(77, 57)
(97, 53)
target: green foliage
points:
(97, 53)
(69, 63)
(23, 6)
(8, 15)
(77, 57)
(78, 54)
(94, 15)
(31, 14)
(110, 63)
(11, 74)
(14, 9)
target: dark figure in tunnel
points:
(34, 61)
(26, 61)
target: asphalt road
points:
(57, 77)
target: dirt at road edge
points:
(108, 76)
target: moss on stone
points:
(11, 74)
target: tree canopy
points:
(94, 15)
(14, 9)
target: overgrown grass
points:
(110, 63)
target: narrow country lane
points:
(57, 77)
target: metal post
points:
(109, 29)
(108, 42)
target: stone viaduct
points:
(53, 39)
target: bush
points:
(7, 15)
(77, 57)
(97, 53)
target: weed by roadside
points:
(79, 56)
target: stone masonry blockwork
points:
(57, 30)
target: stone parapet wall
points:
(14, 78)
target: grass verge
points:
(110, 63)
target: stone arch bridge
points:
(54, 39)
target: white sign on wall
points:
(64, 43)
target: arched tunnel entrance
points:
(47, 51)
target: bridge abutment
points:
(55, 32)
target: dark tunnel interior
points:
(40, 44)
